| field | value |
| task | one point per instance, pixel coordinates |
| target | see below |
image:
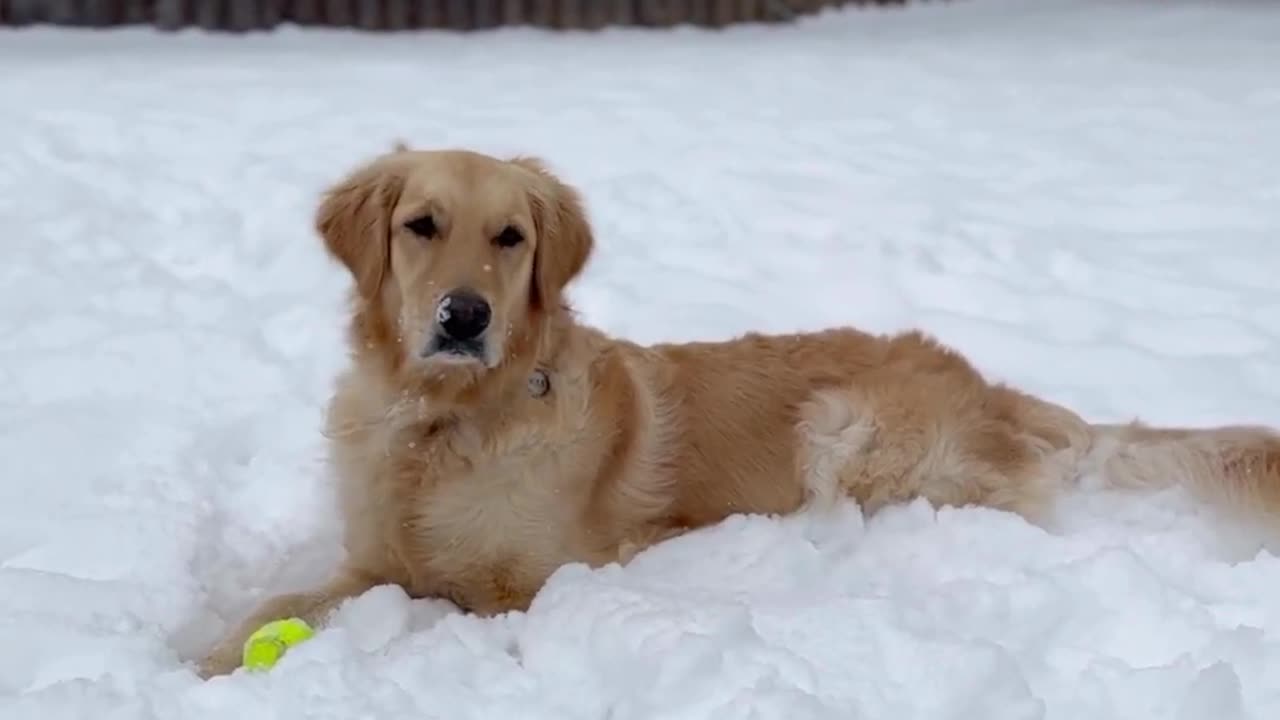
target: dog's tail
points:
(1236, 468)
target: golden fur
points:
(461, 479)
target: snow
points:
(1082, 195)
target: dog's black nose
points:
(463, 314)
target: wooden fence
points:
(383, 15)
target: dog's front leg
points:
(311, 606)
(637, 543)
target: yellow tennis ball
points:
(269, 643)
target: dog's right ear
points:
(354, 219)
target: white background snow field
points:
(1083, 195)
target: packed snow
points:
(1081, 194)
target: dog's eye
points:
(509, 237)
(424, 226)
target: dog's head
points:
(461, 251)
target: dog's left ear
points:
(565, 239)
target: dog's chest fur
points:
(476, 516)
(488, 535)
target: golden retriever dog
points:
(482, 437)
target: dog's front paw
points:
(222, 660)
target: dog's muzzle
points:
(461, 319)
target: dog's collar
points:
(539, 383)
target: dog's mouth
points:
(442, 348)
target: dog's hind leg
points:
(953, 445)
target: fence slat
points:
(301, 12)
(486, 14)
(337, 12)
(595, 15)
(244, 14)
(398, 15)
(169, 14)
(430, 14)
(457, 15)
(369, 15)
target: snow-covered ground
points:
(1083, 195)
